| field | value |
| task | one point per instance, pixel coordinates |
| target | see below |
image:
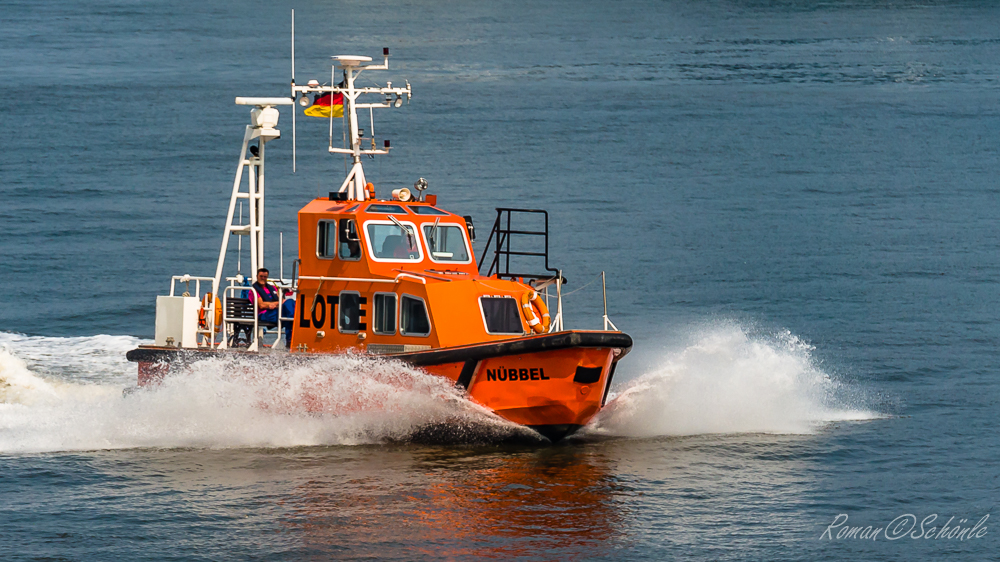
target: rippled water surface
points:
(795, 203)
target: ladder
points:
(264, 119)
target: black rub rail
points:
(441, 356)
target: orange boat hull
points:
(553, 392)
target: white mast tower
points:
(263, 126)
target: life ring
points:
(203, 312)
(531, 300)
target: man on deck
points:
(269, 302)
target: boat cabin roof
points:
(376, 207)
(379, 244)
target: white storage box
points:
(177, 319)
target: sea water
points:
(794, 203)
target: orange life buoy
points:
(531, 300)
(203, 312)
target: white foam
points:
(61, 394)
(729, 381)
(98, 358)
(338, 400)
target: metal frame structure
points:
(501, 258)
(354, 183)
(504, 234)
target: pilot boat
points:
(393, 276)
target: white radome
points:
(350, 60)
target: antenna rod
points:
(293, 90)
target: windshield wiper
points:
(433, 236)
(409, 235)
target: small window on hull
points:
(350, 244)
(349, 312)
(413, 319)
(501, 315)
(326, 245)
(385, 314)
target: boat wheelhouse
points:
(394, 276)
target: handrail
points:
(363, 279)
(187, 279)
(420, 274)
(501, 247)
(402, 275)
(255, 344)
(235, 284)
(224, 344)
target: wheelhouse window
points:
(387, 209)
(446, 243)
(326, 243)
(421, 210)
(349, 312)
(389, 242)
(385, 314)
(413, 319)
(350, 244)
(501, 315)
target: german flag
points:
(321, 106)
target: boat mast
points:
(263, 123)
(351, 66)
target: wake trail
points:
(233, 402)
(729, 380)
(65, 394)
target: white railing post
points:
(559, 304)
(607, 321)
